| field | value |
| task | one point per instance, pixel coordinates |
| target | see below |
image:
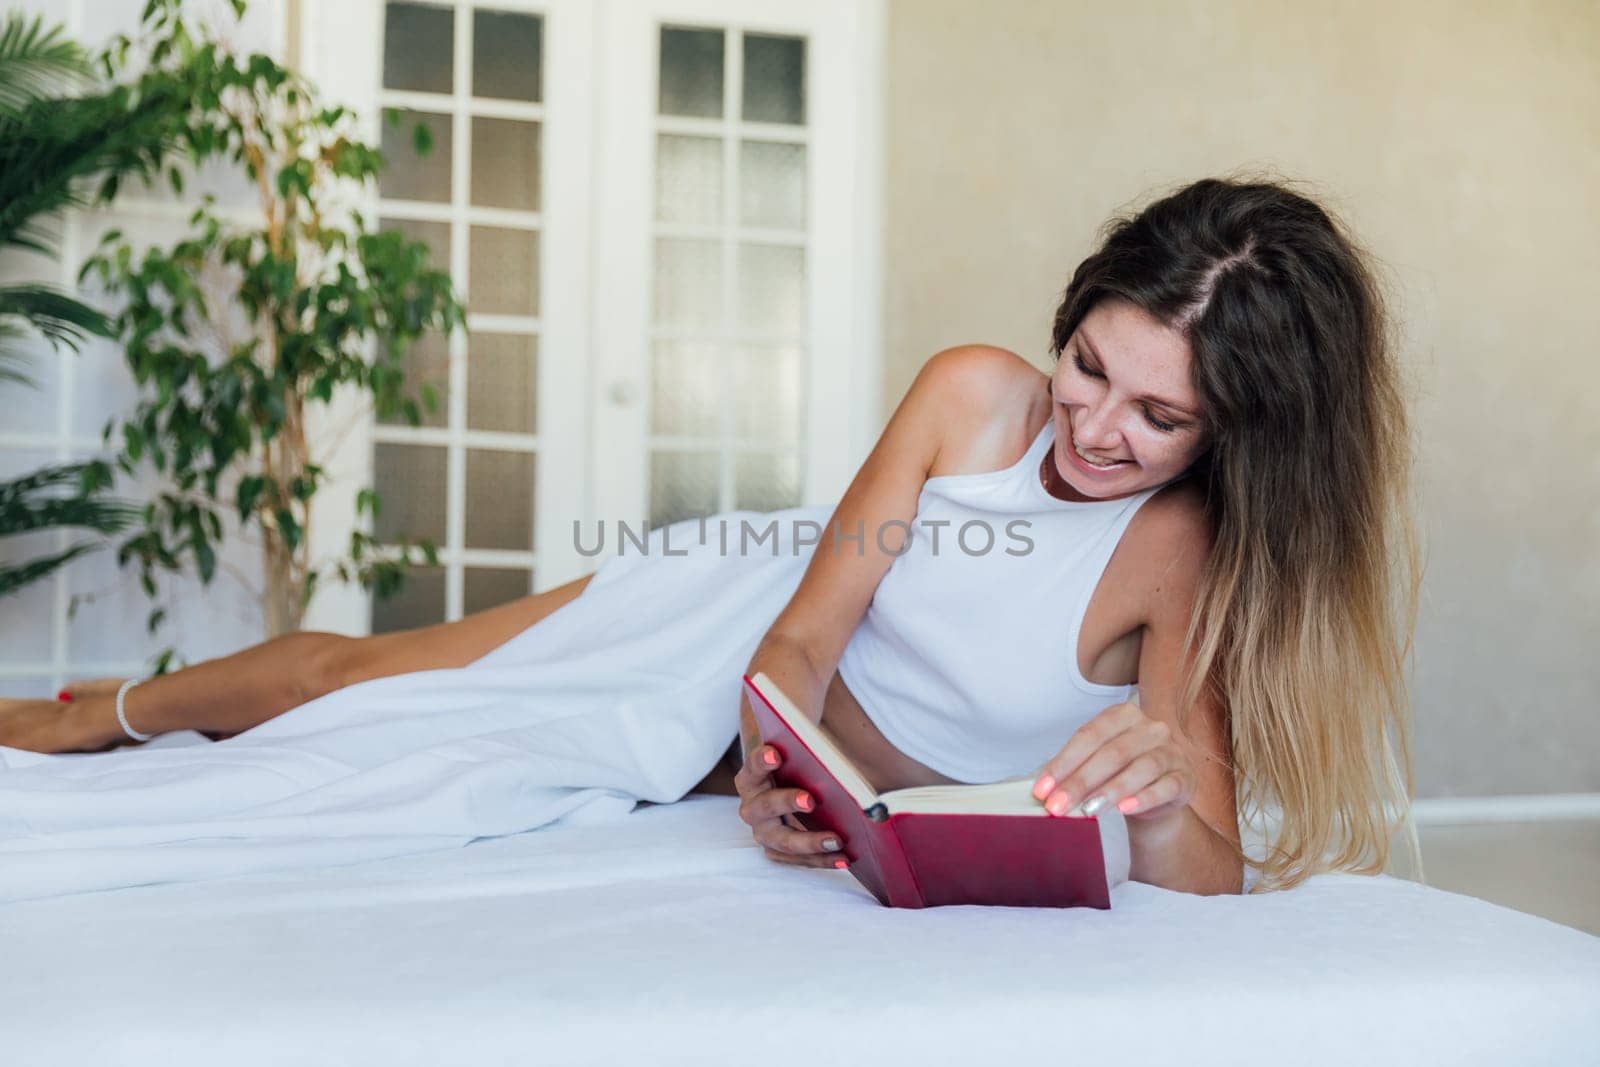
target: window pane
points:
(688, 283)
(505, 163)
(418, 47)
(506, 57)
(688, 179)
(499, 499)
(419, 602)
(691, 72)
(772, 185)
(769, 403)
(502, 382)
(686, 389)
(772, 288)
(426, 362)
(488, 586)
(410, 482)
(436, 235)
(503, 271)
(407, 175)
(774, 79)
(682, 486)
(766, 482)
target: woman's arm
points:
(802, 648)
(1193, 849)
(1183, 853)
(1174, 783)
(955, 389)
(786, 662)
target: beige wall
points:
(1460, 140)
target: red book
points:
(942, 844)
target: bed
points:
(664, 936)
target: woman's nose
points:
(1094, 427)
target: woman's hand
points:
(764, 807)
(1124, 757)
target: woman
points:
(1222, 449)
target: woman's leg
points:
(226, 696)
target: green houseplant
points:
(62, 145)
(238, 331)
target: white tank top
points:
(967, 660)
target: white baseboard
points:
(1470, 811)
(1541, 807)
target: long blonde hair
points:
(1303, 622)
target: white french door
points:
(724, 356)
(655, 210)
(504, 91)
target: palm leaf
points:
(51, 497)
(52, 146)
(11, 361)
(52, 152)
(13, 578)
(62, 318)
(36, 60)
(55, 141)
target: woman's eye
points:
(1164, 427)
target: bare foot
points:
(88, 723)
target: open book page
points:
(1011, 796)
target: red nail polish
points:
(1127, 804)
(64, 696)
(803, 801)
(770, 758)
(840, 865)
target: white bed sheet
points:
(666, 937)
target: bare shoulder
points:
(1168, 543)
(981, 370)
(991, 403)
(957, 393)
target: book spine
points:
(894, 867)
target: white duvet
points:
(629, 693)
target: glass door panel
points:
(720, 184)
(467, 477)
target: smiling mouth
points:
(1096, 463)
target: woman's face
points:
(1122, 393)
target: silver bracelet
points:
(122, 716)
